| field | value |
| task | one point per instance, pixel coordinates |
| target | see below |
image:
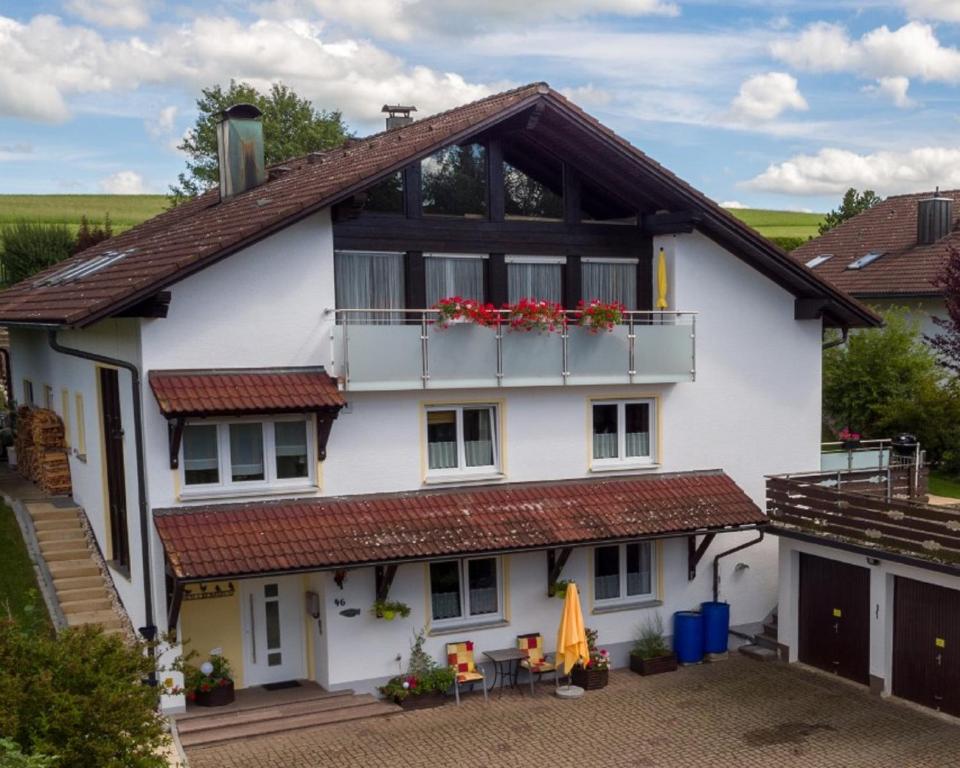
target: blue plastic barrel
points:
(688, 636)
(716, 626)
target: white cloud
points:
(123, 183)
(129, 14)
(588, 95)
(941, 10)
(20, 151)
(893, 89)
(732, 204)
(46, 62)
(764, 97)
(832, 171)
(911, 51)
(160, 127)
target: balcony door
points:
(272, 612)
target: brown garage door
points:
(926, 645)
(834, 615)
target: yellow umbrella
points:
(571, 637)
(662, 280)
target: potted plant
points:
(390, 609)
(599, 315)
(424, 684)
(849, 439)
(651, 654)
(559, 588)
(210, 684)
(594, 673)
(535, 315)
(456, 310)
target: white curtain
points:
(369, 281)
(477, 428)
(442, 455)
(200, 453)
(483, 601)
(246, 451)
(638, 444)
(610, 281)
(606, 587)
(446, 605)
(534, 280)
(605, 446)
(453, 276)
(639, 560)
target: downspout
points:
(149, 632)
(838, 342)
(716, 563)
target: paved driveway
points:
(737, 713)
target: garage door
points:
(834, 614)
(926, 645)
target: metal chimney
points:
(398, 115)
(240, 150)
(934, 218)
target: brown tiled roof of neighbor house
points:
(890, 227)
(268, 537)
(175, 244)
(249, 390)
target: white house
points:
(298, 435)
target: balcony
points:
(390, 350)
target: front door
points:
(272, 630)
(113, 451)
(835, 617)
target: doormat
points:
(281, 686)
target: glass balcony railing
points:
(408, 349)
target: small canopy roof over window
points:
(245, 391)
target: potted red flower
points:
(210, 684)
(594, 673)
(599, 315)
(535, 315)
(849, 439)
(454, 310)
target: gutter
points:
(716, 562)
(149, 631)
(838, 342)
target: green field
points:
(125, 210)
(780, 223)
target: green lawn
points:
(125, 210)
(19, 594)
(944, 486)
(780, 223)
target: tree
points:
(291, 127)
(852, 204)
(90, 234)
(947, 343)
(455, 181)
(29, 248)
(79, 696)
(874, 369)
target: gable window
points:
(610, 280)
(454, 181)
(369, 280)
(386, 196)
(246, 454)
(623, 572)
(622, 432)
(462, 440)
(526, 197)
(465, 590)
(454, 274)
(535, 277)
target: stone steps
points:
(263, 714)
(759, 653)
(57, 555)
(56, 546)
(60, 523)
(68, 569)
(74, 533)
(105, 618)
(68, 583)
(86, 605)
(68, 596)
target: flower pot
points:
(218, 696)
(654, 666)
(850, 445)
(591, 678)
(389, 615)
(422, 701)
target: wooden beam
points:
(695, 553)
(572, 281)
(175, 435)
(645, 273)
(412, 192)
(556, 559)
(383, 575)
(571, 195)
(674, 223)
(535, 114)
(415, 281)
(497, 279)
(496, 191)
(155, 306)
(325, 419)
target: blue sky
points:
(771, 103)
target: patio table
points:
(503, 659)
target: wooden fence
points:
(813, 504)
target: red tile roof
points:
(248, 390)
(890, 227)
(177, 243)
(266, 537)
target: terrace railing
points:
(409, 349)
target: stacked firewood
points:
(42, 450)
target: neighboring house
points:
(269, 431)
(890, 255)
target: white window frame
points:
(270, 483)
(465, 619)
(462, 469)
(622, 459)
(624, 598)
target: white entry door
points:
(272, 630)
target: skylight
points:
(816, 261)
(82, 269)
(864, 261)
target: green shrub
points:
(650, 642)
(789, 242)
(423, 675)
(12, 757)
(29, 248)
(79, 696)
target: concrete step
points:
(759, 653)
(65, 554)
(246, 730)
(54, 546)
(105, 618)
(85, 606)
(68, 569)
(46, 515)
(82, 593)
(57, 524)
(63, 534)
(35, 507)
(213, 719)
(766, 641)
(65, 583)
(770, 628)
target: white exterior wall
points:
(919, 311)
